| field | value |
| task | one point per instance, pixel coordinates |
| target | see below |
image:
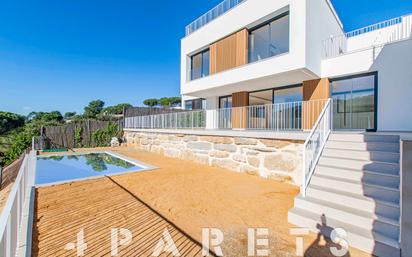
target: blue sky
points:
(59, 55)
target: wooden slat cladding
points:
(229, 52)
(318, 89)
(239, 112)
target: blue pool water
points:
(54, 169)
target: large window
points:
(354, 105)
(269, 39)
(200, 65)
(287, 95)
(225, 102)
(195, 104)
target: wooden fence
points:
(75, 135)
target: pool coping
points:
(144, 166)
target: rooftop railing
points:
(392, 30)
(217, 11)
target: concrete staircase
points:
(355, 186)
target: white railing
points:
(314, 144)
(15, 210)
(392, 30)
(276, 117)
(217, 11)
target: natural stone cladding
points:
(268, 158)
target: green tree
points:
(165, 102)
(175, 101)
(93, 109)
(151, 102)
(116, 109)
(69, 115)
(9, 121)
(54, 116)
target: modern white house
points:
(287, 70)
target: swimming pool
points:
(55, 169)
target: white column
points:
(212, 104)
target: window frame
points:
(373, 73)
(268, 22)
(201, 53)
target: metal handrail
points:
(211, 15)
(402, 29)
(322, 130)
(373, 27)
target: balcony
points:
(282, 117)
(211, 15)
(372, 36)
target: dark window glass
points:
(287, 95)
(261, 97)
(354, 103)
(225, 102)
(205, 63)
(269, 40)
(189, 105)
(200, 64)
(197, 66)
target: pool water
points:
(61, 168)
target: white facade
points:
(318, 48)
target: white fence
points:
(315, 143)
(15, 211)
(389, 31)
(277, 117)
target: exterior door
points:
(354, 103)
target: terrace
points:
(148, 202)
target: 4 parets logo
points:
(212, 238)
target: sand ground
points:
(181, 195)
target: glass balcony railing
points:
(217, 11)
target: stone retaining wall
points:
(269, 158)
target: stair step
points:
(364, 146)
(391, 168)
(362, 155)
(367, 220)
(374, 191)
(363, 137)
(364, 239)
(368, 177)
(349, 199)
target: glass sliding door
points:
(354, 105)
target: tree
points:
(9, 121)
(175, 101)
(69, 115)
(54, 116)
(116, 109)
(165, 102)
(93, 109)
(151, 102)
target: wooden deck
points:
(97, 206)
(182, 196)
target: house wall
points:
(269, 158)
(246, 15)
(317, 89)
(321, 23)
(393, 63)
